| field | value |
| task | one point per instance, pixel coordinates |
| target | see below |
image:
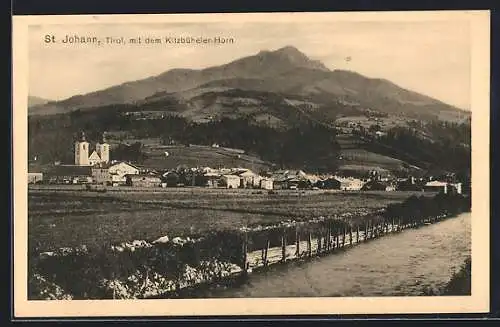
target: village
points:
(97, 170)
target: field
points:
(354, 158)
(191, 156)
(70, 216)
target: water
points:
(407, 263)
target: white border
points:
(477, 302)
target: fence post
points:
(329, 241)
(266, 251)
(337, 239)
(344, 233)
(309, 244)
(357, 234)
(366, 230)
(350, 235)
(297, 242)
(283, 246)
(318, 244)
(245, 247)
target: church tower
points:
(102, 149)
(82, 151)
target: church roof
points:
(94, 156)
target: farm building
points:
(70, 174)
(118, 171)
(143, 180)
(35, 178)
(230, 181)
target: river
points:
(406, 263)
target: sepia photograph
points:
(252, 157)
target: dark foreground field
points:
(73, 217)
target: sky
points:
(429, 57)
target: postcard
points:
(251, 164)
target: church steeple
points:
(82, 151)
(102, 149)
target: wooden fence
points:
(309, 242)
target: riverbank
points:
(142, 269)
(459, 283)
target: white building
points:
(249, 178)
(266, 183)
(118, 172)
(351, 184)
(231, 181)
(99, 156)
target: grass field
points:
(72, 217)
(193, 155)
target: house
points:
(455, 188)
(35, 178)
(280, 183)
(142, 180)
(290, 179)
(100, 174)
(230, 181)
(266, 183)
(118, 171)
(248, 179)
(436, 186)
(351, 184)
(70, 174)
(208, 179)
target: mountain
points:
(286, 73)
(36, 101)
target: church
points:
(98, 156)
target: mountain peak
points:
(293, 56)
(289, 50)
